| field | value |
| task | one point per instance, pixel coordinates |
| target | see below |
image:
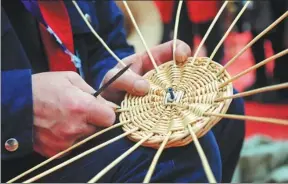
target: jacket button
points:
(87, 16)
(11, 145)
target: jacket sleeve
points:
(108, 21)
(16, 94)
(111, 21)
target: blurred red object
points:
(198, 11)
(266, 110)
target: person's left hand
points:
(134, 83)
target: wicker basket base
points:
(195, 88)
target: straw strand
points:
(177, 19)
(97, 36)
(119, 159)
(209, 30)
(53, 169)
(202, 156)
(254, 40)
(282, 53)
(66, 151)
(141, 36)
(255, 91)
(228, 31)
(156, 158)
(251, 118)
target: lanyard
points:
(33, 7)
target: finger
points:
(43, 147)
(87, 131)
(162, 53)
(52, 141)
(77, 81)
(84, 107)
(182, 52)
(129, 82)
(114, 95)
(43, 151)
(49, 151)
(111, 104)
(50, 144)
(96, 111)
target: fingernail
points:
(141, 87)
(113, 105)
(182, 56)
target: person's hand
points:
(65, 111)
(133, 83)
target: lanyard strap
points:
(32, 6)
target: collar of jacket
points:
(54, 14)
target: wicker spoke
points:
(254, 40)
(156, 158)
(202, 156)
(175, 70)
(272, 58)
(209, 30)
(255, 91)
(251, 118)
(119, 159)
(66, 151)
(140, 34)
(97, 35)
(53, 169)
(176, 28)
(228, 31)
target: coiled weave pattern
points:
(195, 86)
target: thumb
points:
(129, 81)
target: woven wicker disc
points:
(195, 87)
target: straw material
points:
(195, 88)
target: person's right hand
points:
(65, 111)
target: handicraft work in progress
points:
(185, 101)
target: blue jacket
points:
(16, 95)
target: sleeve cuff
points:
(99, 78)
(17, 112)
